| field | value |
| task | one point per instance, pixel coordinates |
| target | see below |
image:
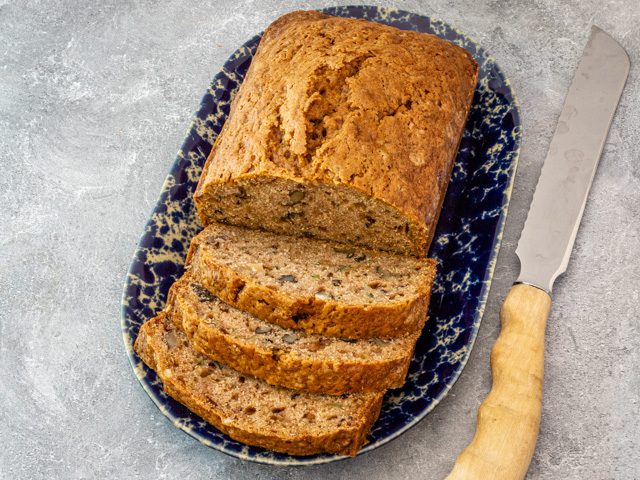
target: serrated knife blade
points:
(558, 203)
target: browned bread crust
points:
(285, 357)
(250, 410)
(343, 129)
(249, 269)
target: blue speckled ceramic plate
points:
(466, 242)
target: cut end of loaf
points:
(319, 210)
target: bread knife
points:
(509, 417)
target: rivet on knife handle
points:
(509, 418)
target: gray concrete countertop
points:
(95, 98)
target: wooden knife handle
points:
(509, 418)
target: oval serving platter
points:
(466, 243)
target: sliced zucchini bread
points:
(286, 357)
(315, 286)
(250, 410)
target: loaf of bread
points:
(285, 357)
(344, 130)
(315, 286)
(250, 410)
(304, 295)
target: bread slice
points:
(306, 284)
(250, 410)
(286, 357)
(343, 129)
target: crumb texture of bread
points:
(343, 129)
(311, 285)
(250, 410)
(285, 357)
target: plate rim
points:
(487, 281)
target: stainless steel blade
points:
(560, 196)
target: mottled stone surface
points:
(94, 102)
